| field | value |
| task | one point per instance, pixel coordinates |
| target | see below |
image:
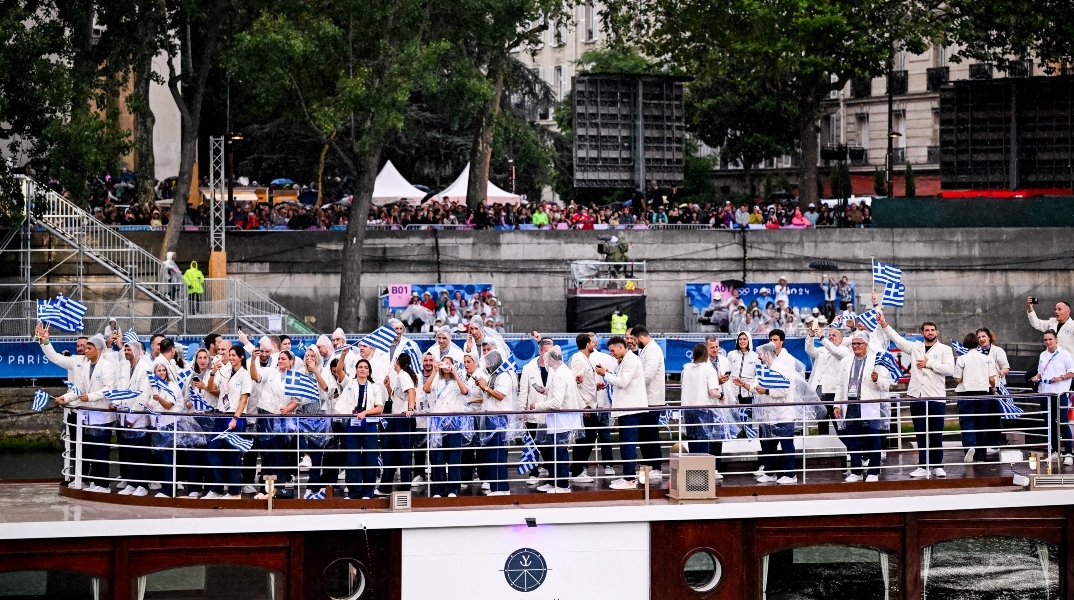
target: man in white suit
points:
(860, 379)
(1060, 324)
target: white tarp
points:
(457, 191)
(391, 187)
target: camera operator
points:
(612, 250)
(1064, 334)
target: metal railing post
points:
(78, 450)
(175, 460)
(928, 439)
(805, 434)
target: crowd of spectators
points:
(113, 202)
(427, 314)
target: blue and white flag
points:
(530, 458)
(744, 418)
(183, 377)
(301, 386)
(1006, 403)
(665, 420)
(41, 399)
(72, 388)
(237, 441)
(130, 336)
(63, 313)
(115, 396)
(160, 385)
(841, 320)
(145, 407)
(197, 401)
(884, 274)
(507, 365)
(958, 348)
(886, 360)
(381, 339)
(772, 380)
(869, 319)
(894, 295)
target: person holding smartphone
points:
(234, 394)
(449, 392)
(531, 390)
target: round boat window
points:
(702, 571)
(344, 579)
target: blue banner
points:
(805, 296)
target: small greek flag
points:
(72, 388)
(130, 336)
(869, 319)
(886, 360)
(958, 348)
(146, 408)
(160, 385)
(507, 365)
(744, 418)
(115, 396)
(41, 399)
(382, 339)
(665, 420)
(197, 401)
(237, 441)
(63, 313)
(772, 380)
(530, 456)
(1006, 403)
(184, 377)
(894, 295)
(884, 274)
(841, 320)
(301, 386)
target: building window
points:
(560, 34)
(590, 21)
(990, 567)
(558, 83)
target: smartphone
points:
(195, 378)
(1032, 299)
(539, 388)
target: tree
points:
(911, 185)
(995, 30)
(797, 47)
(345, 70)
(880, 182)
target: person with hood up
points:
(497, 389)
(170, 276)
(194, 290)
(132, 368)
(562, 397)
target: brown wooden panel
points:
(92, 556)
(175, 543)
(1046, 524)
(672, 542)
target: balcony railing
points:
(932, 156)
(898, 82)
(898, 156)
(864, 160)
(981, 71)
(937, 77)
(861, 88)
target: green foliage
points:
(994, 31)
(616, 58)
(911, 185)
(880, 183)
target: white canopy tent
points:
(391, 187)
(457, 191)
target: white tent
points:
(457, 191)
(391, 187)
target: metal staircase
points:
(149, 304)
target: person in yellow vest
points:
(193, 278)
(619, 322)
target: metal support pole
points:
(175, 461)
(805, 434)
(78, 451)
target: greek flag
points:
(184, 377)
(772, 380)
(886, 360)
(301, 386)
(237, 441)
(382, 339)
(665, 420)
(958, 348)
(841, 320)
(885, 274)
(869, 319)
(130, 336)
(199, 402)
(146, 408)
(744, 418)
(507, 365)
(41, 399)
(72, 388)
(63, 313)
(531, 458)
(115, 396)
(894, 295)
(160, 385)
(1006, 403)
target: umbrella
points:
(282, 181)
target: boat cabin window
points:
(830, 573)
(46, 585)
(210, 582)
(988, 568)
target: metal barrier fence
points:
(314, 456)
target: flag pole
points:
(872, 265)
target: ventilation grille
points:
(697, 480)
(673, 483)
(1053, 481)
(400, 501)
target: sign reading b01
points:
(398, 295)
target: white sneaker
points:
(417, 481)
(939, 472)
(127, 491)
(231, 497)
(759, 472)
(544, 487)
(532, 481)
(765, 479)
(991, 450)
(852, 478)
(787, 480)
(582, 477)
(180, 487)
(452, 495)
(436, 495)
(623, 484)
(377, 492)
(261, 496)
(306, 462)
(140, 491)
(502, 493)
(609, 471)
(718, 476)
(154, 486)
(100, 489)
(1068, 460)
(210, 496)
(559, 490)
(485, 486)
(655, 476)
(193, 495)
(872, 478)
(919, 472)
(969, 455)
(122, 483)
(249, 489)
(76, 486)
(161, 495)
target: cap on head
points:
(613, 240)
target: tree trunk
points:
(144, 122)
(188, 154)
(807, 173)
(481, 150)
(349, 315)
